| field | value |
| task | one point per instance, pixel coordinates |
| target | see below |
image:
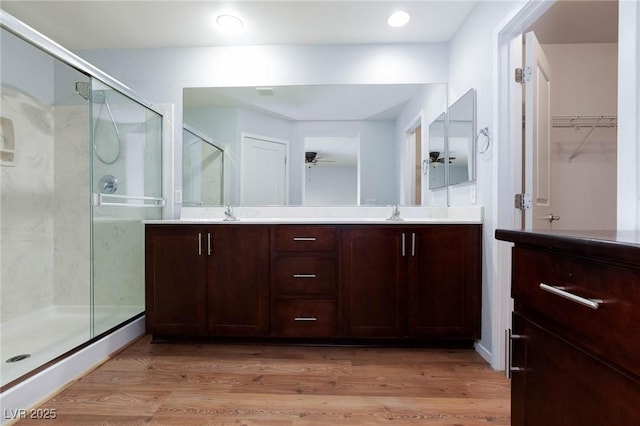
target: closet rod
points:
(580, 121)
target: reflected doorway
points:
(415, 164)
(331, 171)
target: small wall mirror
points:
(461, 139)
(202, 170)
(436, 161)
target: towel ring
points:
(484, 147)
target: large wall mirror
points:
(340, 144)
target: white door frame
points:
(243, 137)
(507, 117)
(508, 167)
(408, 176)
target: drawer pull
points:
(304, 275)
(305, 319)
(559, 291)
(304, 238)
(509, 338)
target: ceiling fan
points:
(311, 158)
(434, 157)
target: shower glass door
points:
(127, 189)
(45, 218)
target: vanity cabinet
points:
(304, 281)
(349, 282)
(411, 281)
(207, 280)
(575, 348)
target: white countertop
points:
(366, 215)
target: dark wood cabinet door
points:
(560, 384)
(445, 284)
(374, 274)
(238, 280)
(175, 269)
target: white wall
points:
(331, 185)
(629, 115)
(472, 64)
(584, 82)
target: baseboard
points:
(486, 354)
(17, 400)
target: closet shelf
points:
(584, 121)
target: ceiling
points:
(184, 23)
(95, 24)
(578, 21)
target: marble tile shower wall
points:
(26, 208)
(45, 213)
(71, 212)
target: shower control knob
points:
(108, 184)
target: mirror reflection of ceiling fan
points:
(311, 158)
(434, 157)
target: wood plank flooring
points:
(224, 384)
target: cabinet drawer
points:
(305, 318)
(305, 238)
(607, 327)
(305, 275)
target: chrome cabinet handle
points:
(413, 244)
(209, 246)
(304, 238)
(509, 337)
(305, 319)
(199, 244)
(304, 275)
(403, 252)
(559, 291)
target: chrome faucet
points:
(395, 214)
(228, 214)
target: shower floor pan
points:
(42, 336)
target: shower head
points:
(83, 89)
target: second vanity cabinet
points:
(575, 348)
(344, 281)
(415, 281)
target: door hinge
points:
(523, 201)
(523, 75)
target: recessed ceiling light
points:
(398, 19)
(230, 23)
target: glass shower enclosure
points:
(202, 170)
(80, 170)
